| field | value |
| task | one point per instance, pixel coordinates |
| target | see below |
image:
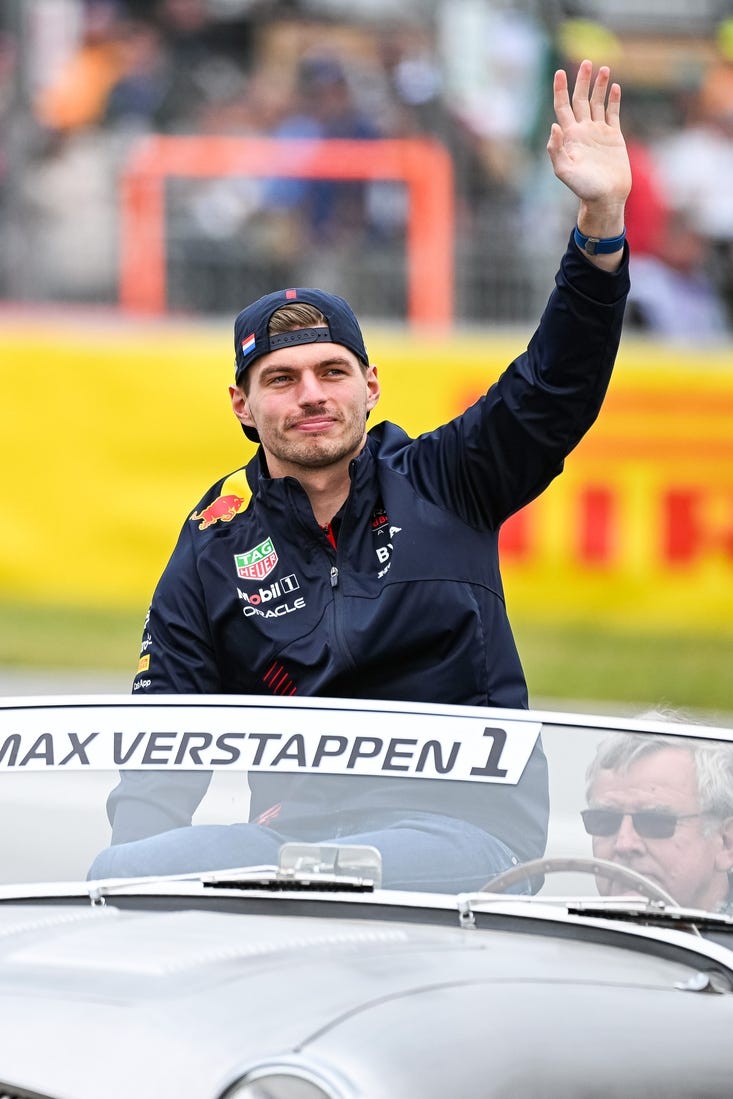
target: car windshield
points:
(441, 799)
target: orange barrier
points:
(423, 165)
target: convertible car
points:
(246, 898)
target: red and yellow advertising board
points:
(638, 529)
(112, 432)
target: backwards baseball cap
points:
(252, 340)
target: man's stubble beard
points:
(318, 451)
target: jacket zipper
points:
(338, 614)
(338, 607)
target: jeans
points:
(420, 851)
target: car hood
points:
(95, 1000)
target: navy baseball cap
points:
(252, 339)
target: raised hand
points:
(587, 148)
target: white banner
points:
(236, 738)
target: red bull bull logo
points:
(256, 563)
(222, 509)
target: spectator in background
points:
(430, 96)
(324, 108)
(646, 209)
(320, 225)
(672, 294)
(167, 86)
(137, 99)
(186, 26)
(413, 79)
(77, 98)
(69, 191)
(211, 50)
(494, 58)
(208, 61)
(696, 163)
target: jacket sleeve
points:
(144, 803)
(177, 655)
(504, 450)
(176, 658)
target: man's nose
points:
(310, 389)
(627, 838)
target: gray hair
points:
(713, 763)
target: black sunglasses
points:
(657, 824)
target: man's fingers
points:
(555, 142)
(598, 95)
(614, 106)
(601, 103)
(561, 99)
(581, 104)
(586, 145)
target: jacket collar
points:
(361, 470)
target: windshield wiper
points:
(651, 912)
(275, 883)
(302, 867)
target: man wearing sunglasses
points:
(663, 806)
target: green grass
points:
(692, 673)
(688, 672)
(68, 637)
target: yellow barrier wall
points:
(112, 431)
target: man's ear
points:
(373, 387)
(240, 405)
(724, 860)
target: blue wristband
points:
(599, 246)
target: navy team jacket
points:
(409, 605)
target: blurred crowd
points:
(81, 81)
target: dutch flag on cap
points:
(248, 344)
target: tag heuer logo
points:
(256, 563)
